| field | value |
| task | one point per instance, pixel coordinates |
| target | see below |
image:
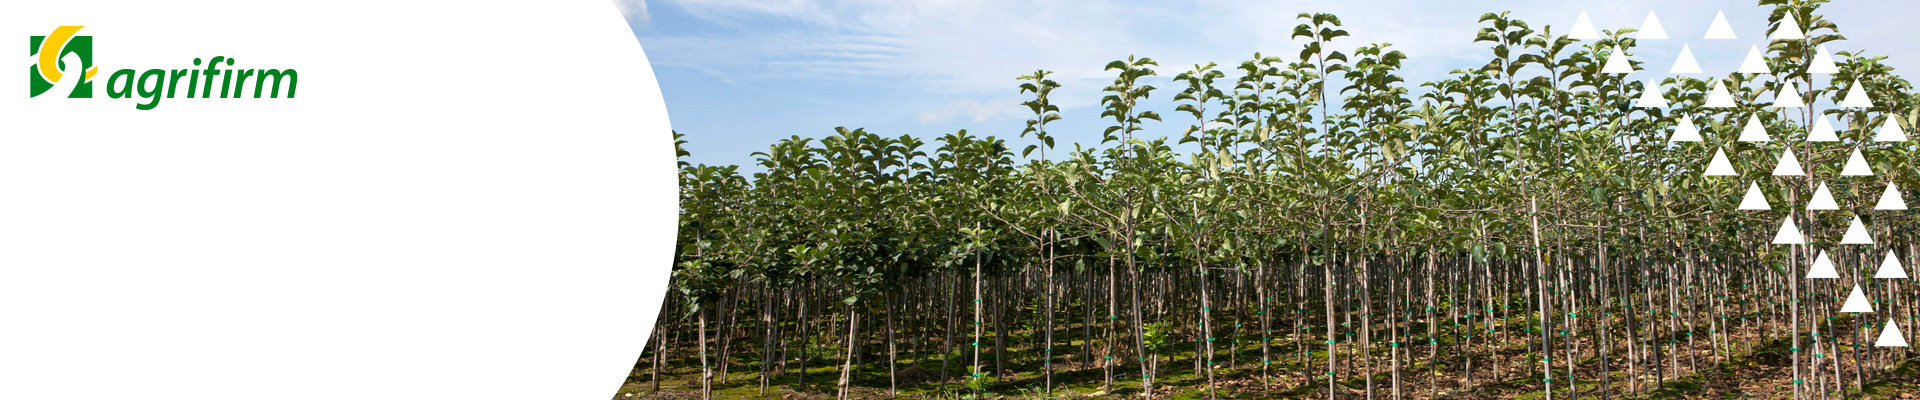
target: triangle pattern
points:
(1754, 131)
(1788, 97)
(1891, 336)
(1684, 131)
(1685, 63)
(1822, 199)
(1823, 268)
(1583, 28)
(1890, 268)
(1856, 233)
(1719, 166)
(1823, 131)
(1856, 97)
(1788, 234)
(1856, 165)
(1720, 29)
(1823, 62)
(1857, 302)
(1719, 97)
(1789, 29)
(1890, 199)
(1617, 63)
(1754, 200)
(1651, 29)
(1650, 97)
(1890, 132)
(1789, 165)
(1755, 63)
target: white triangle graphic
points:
(1890, 268)
(1856, 97)
(1720, 29)
(1685, 63)
(1754, 131)
(1788, 234)
(1857, 302)
(1651, 29)
(1755, 63)
(1856, 233)
(1890, 199)
(1719, 97)
(1823, 63)
(1823, 131)
(1891, 336)
(1822, 199)
(1823, 268)
(1650, 97)
(1754, 200)
(1583, 28)
(1856, 165)
(1617, 63)
(1890, 132)
(1788, 97)
(1684, 131)
(1789, 29)
(1719, 166)
(1789, 165)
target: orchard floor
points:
(1725, 382)
(1761, 374)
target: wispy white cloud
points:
(728, 12)
(781, 55)
(989, 110)
(635, 11)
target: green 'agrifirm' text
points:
(154, 84)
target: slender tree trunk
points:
(846, 367)
(805, 340)
(1540, 265)
(1046, 351)
(893, 356)
(978, 377)
(766, 347)
(659, 356)
(706, 371)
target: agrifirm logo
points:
(63, 62)
(56, 54)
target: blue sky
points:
(739, 75)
